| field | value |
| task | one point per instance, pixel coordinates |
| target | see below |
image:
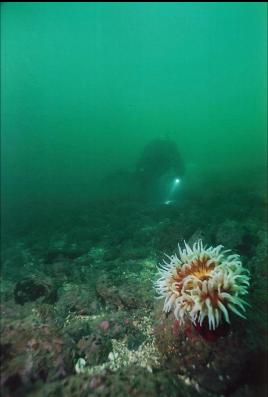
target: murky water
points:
(128, 128)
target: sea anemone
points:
(203, 285)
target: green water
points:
(86, 86)
(86, 89)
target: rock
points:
(230, 234)
(32, 353)
(125, 296)
(108, 292)
(31, 288)
(215, 364)
(95, 348)
(131, 381)
(77, 299)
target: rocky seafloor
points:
(79, 314)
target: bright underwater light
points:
(174, 185)
(167, 202)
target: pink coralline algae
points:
(105, 325)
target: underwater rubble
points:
(79, 314)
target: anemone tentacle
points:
(203, 283)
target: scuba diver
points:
(157, 176)
(159, 171)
